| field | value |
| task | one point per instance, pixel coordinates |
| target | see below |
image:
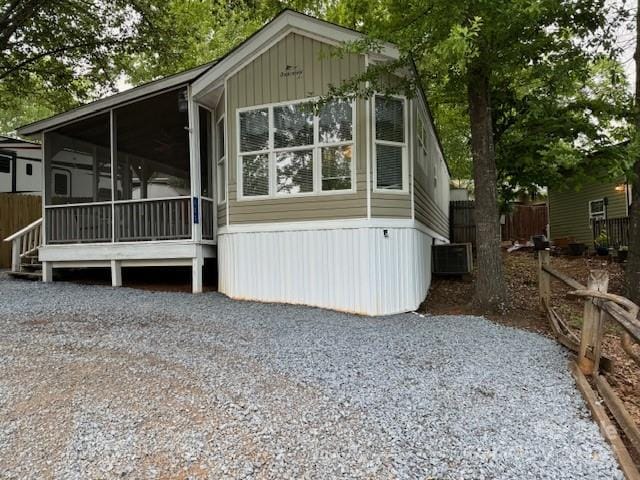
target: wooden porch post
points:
(194, 168)
(593, 320)
(116, 273)
(196, 273)
(47, 272)
(544, 280)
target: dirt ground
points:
(525, 312)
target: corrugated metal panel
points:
(261, 82)
(569, 210)
(355, 270)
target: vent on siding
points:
(452, 259)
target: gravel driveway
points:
(97, 382)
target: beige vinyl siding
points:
(569, 210)
(430, 201)
(261, 82)
(390, 205)
(222, 215)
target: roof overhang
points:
(106, 103)
(262, 40)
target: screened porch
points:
(140, 172)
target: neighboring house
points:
(337, 209)
(571, 212)
(20, 166)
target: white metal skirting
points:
(357, 270)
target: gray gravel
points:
(98, 382)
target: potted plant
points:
(623, 252)
(602, 243)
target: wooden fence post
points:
(592, 324)
(544, 279)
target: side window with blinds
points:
(390, 144)
(254, 155)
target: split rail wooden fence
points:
(599, 306)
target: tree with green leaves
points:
(520, 69)
(55, 54)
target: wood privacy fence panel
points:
(16, 212)
(617, 230)
(524, 222)
(462, 226)
(521, 224)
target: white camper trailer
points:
(20, 166)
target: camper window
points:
(29, 169)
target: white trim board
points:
(110, 251)
(356, 223)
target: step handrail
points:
(25, 242)
(26, 229)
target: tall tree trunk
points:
(633, 264)
(490, 291)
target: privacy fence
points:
(523, 222)
(16, 211)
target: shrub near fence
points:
(16, 212)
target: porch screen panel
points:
(78, 162)
(152, 142)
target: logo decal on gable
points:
(291, 71)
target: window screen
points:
(293, 126)
(295, 171)
(389, 167)
(255, 175)
(254, 130)
(390, 143)
(390, 119)
(336, 168)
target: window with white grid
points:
(286, 149)
(390, 144)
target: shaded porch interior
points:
(132, 174)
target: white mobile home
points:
(20, 166)
(337, 209)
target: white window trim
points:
(404, 145)
(316, 156)
(222, 160)
(602, 213)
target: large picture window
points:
(390, 144)
(286, 149)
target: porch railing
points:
(617, 230)
(89, 223)
(25, 242)
(153, 219)
(207, 219)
